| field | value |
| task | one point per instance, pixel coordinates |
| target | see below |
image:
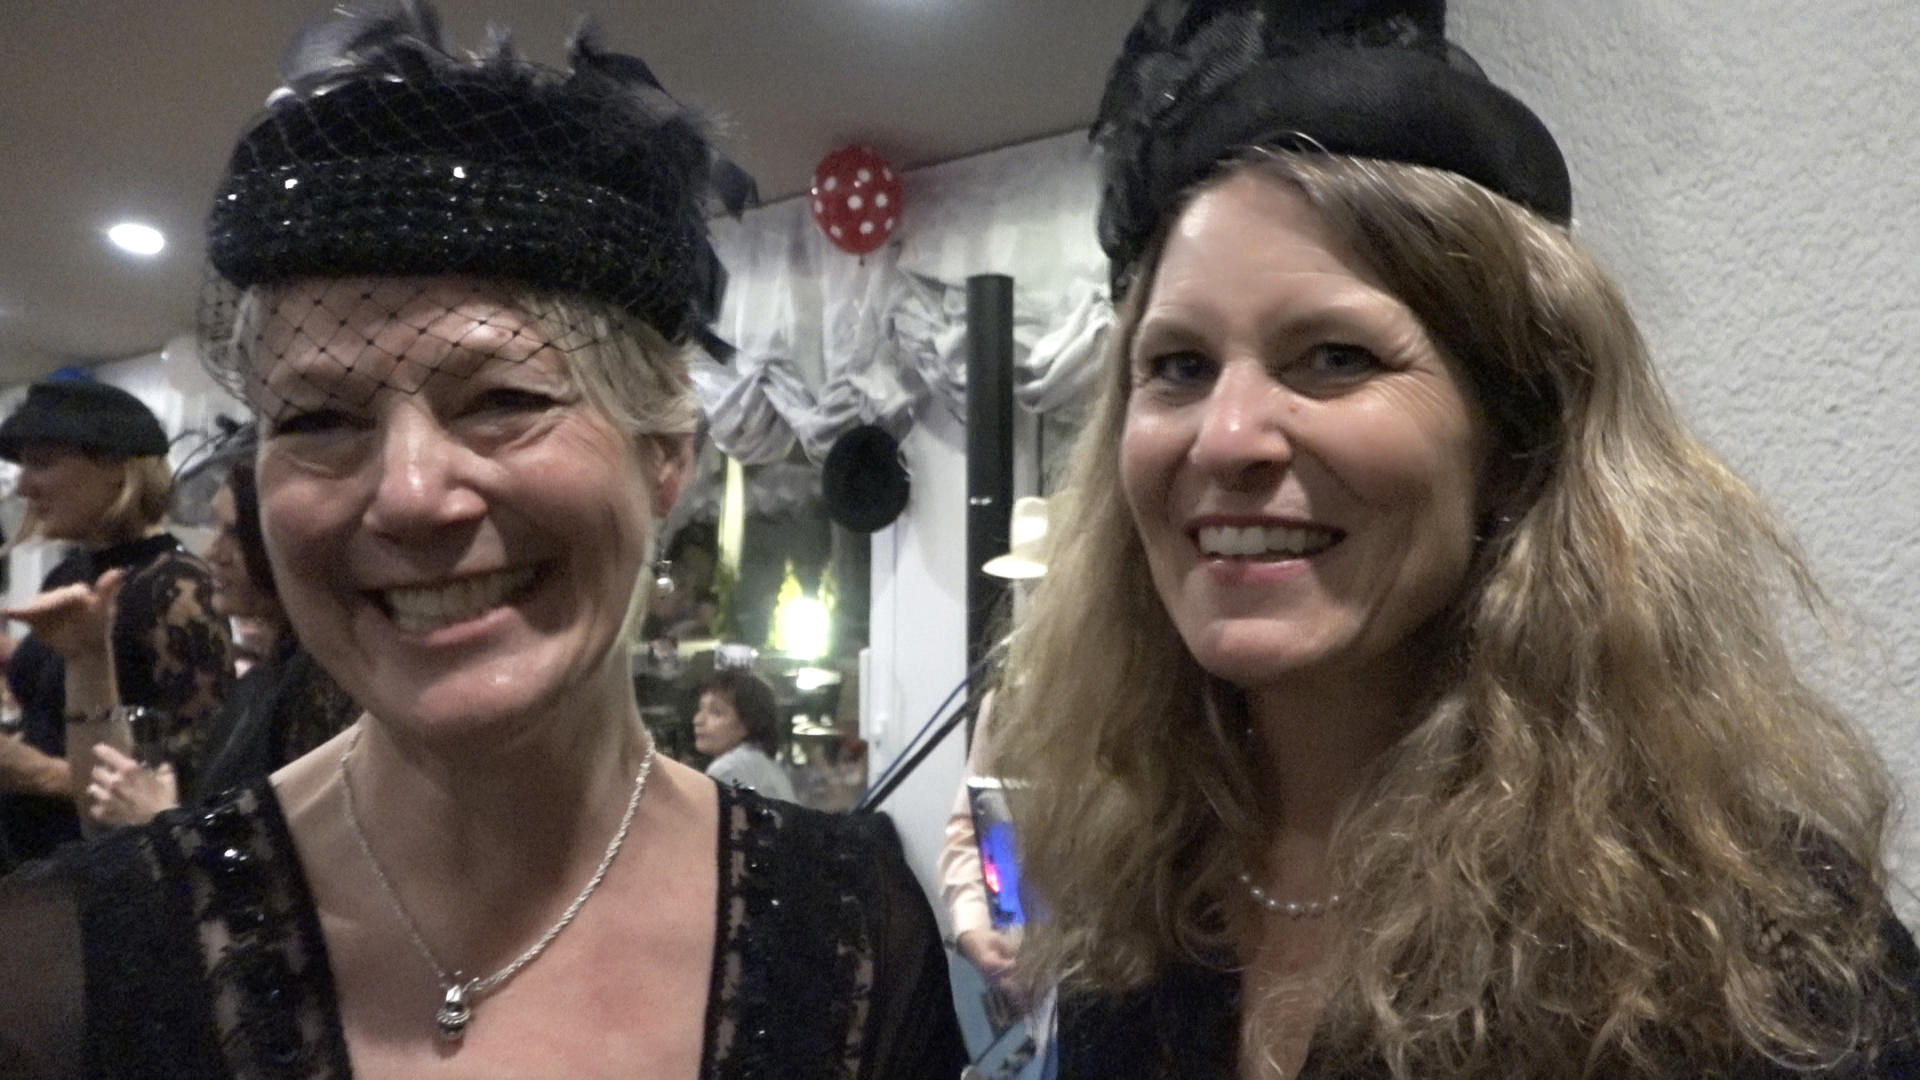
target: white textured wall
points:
(1750, 170)
(918, 642)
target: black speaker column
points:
(989, 451)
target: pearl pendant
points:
(454, 1014)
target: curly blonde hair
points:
(1624, 833)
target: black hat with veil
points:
(385, 155)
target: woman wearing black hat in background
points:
(94, 473)
(1406, 697)
(458, 293)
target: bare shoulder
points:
(302, 784)
(684, 790)
(678, 822)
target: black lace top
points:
(284, 706)
(191, 948)
(171, 653)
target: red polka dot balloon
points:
(856, 198)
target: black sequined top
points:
(191, 948)
(171, 653)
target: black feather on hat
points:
(1198, 81)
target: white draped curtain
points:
(828, 340)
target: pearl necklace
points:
(456, 1007)
(1292, 909)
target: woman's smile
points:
(419, 609)
(1250, 555)
(1264, 543)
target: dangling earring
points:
(662, 577)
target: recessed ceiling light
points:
(137, 239)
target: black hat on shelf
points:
(385, 154)
(86, 415)
(1199, 81)
(863, 482)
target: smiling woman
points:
(475, 524)
(1295, 443)
(124, 619)
(1406, 695)
(459, 296)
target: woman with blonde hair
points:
(124, 621)
(1407, 697)
(459, 293)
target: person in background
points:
(282, 706)
(990, 949)
(738, 725)
(1407, 695)
(125, 620)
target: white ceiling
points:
(113, 109)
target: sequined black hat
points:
(386, 155)
(1198, 81)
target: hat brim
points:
(1014, 567)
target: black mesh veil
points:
(387, 171)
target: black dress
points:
(1185, 1025)
(170, 651)
(191, 948)
(284, 706)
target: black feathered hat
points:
(84, 414)
(1198, 81)
(386, 155)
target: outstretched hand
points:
(122, 791)
(74, 620)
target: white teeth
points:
(1242, 541)
(417, 610)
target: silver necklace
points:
(456, 1008)
(1292, 909)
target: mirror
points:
(790, 601)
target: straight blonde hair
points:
(145, 496)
